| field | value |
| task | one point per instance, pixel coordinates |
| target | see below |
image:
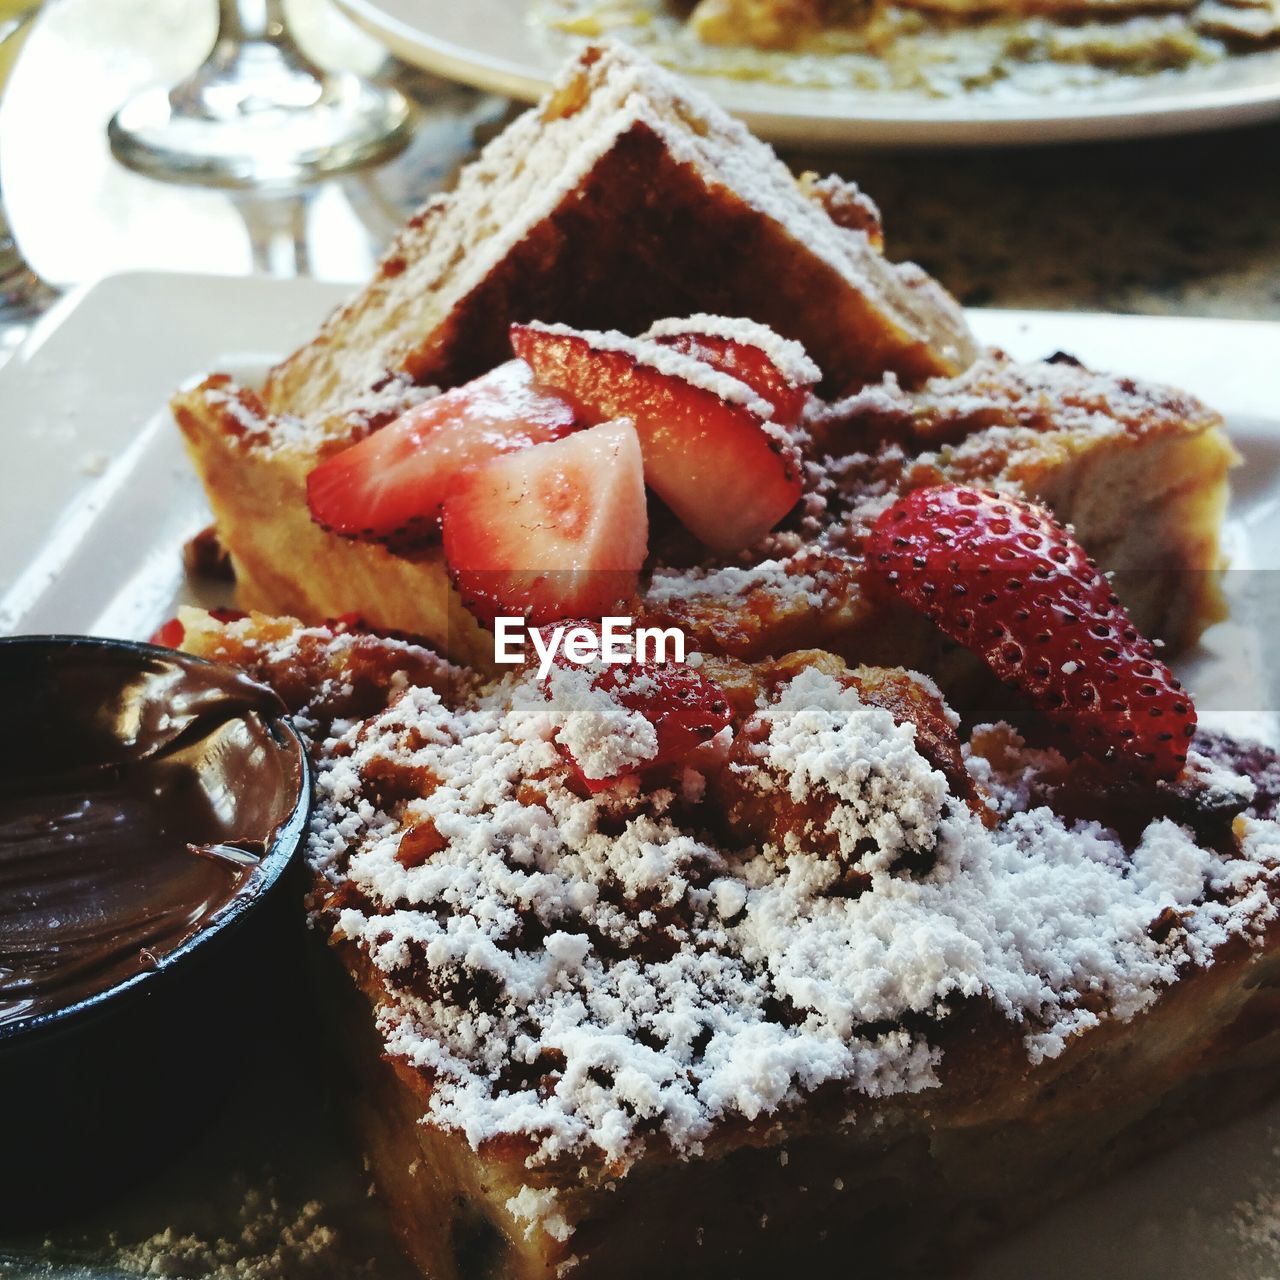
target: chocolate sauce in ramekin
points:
(139, 792)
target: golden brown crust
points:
(766, 24)
(254, 474)
(647, 224)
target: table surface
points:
(1185, 226)
(1188, 226)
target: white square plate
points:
(97, 499)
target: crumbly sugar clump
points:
(860, 755)
(597, 974)
(603, 737)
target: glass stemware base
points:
(259, 114)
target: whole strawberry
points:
(1004, 579)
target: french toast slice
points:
(608, 1036)
(1140, 471)
(622, 198)
(545, 219)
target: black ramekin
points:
(97, 1093)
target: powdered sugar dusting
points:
(673, 363)
(822, 737)
(775, 576)
(591, 972)
(525, 174)
(996, 393)
(604, 738)
(787, 356)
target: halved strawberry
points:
(745, 356)
(710, 458)
(389, 487)
(1004, 579)
(550, 532)
(685, 709)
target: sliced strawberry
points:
(685, 708)
(389, 487)
(550, 532)
(170, 634)
(711, 459)
(1004, 579)
(745, 357)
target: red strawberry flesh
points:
(169, 634)
(390, 486)
(685, 708)
(554, 531)
(1002, 578)
(748, 364)
(712, 461)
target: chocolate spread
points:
(138, 794)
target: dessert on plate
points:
(923, 52)
(652, 204)
(895, 888)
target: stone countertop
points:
(1187, 225)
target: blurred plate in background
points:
(493, 45)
